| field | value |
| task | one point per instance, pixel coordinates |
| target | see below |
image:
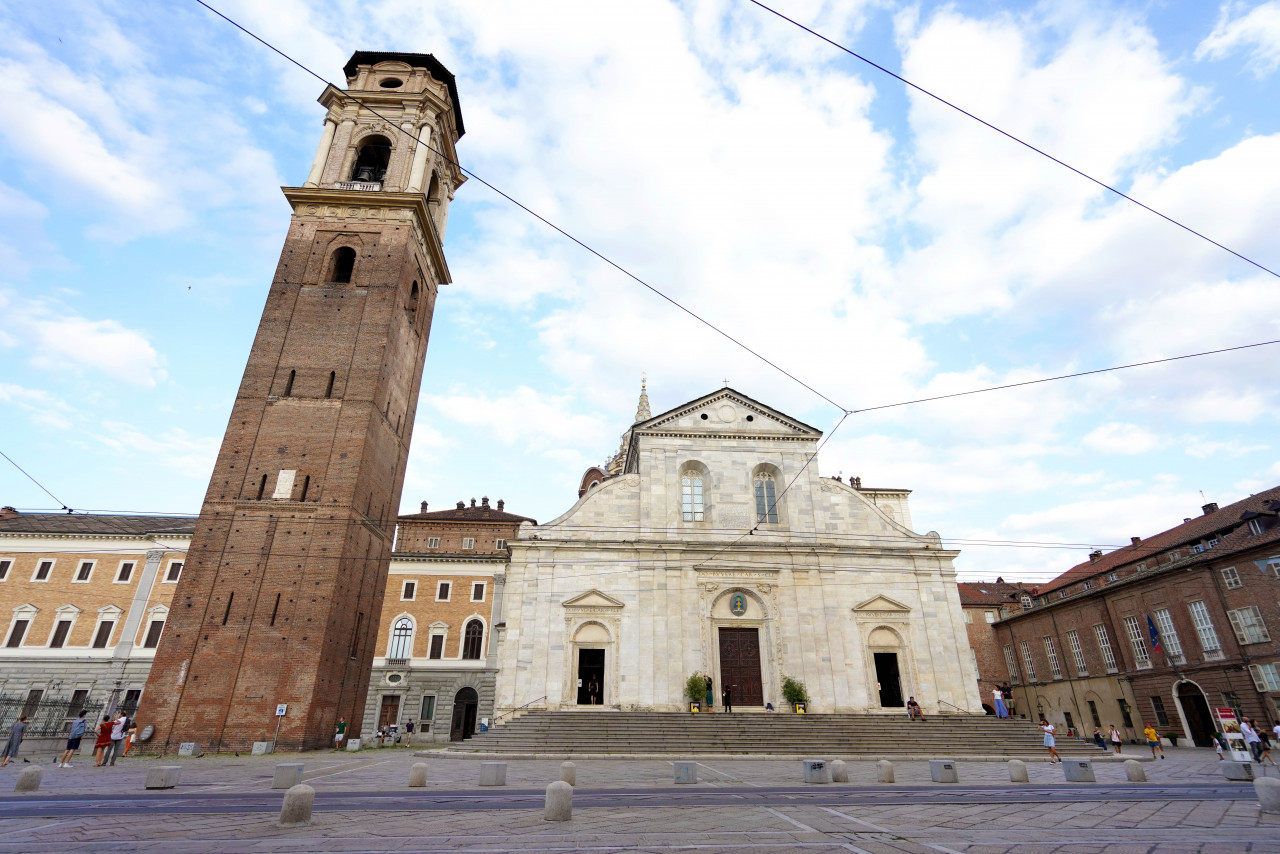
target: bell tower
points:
(279, 598)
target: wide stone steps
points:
(663, 733)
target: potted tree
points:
(695, 690)
(793, 691)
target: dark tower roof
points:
(415, 60)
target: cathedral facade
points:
(712, 545)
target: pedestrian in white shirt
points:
(1251, 739)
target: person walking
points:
(1049, 742)
(997, 696)
(710, 694)
(78, 727)
(1153, 741)
(16, 732)
(728, 698)
(118, 729)
(1116, 740)
(1265, 738)
(339, 733)
(1251, 739)
(100, 746)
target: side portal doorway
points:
(590, 677)
(889, 680)
(465, 705)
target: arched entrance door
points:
(465, 704)
(1195, 708)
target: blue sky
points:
(869, 241)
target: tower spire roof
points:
(642, 408)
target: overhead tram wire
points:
(531, 212)
(1009, 135)
(36, 482)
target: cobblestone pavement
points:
(225, 804)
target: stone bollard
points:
(816, 771)
(493, 773)
(1268, 789)
(568, 774)
(1233, 770)
(29, 779)
(1134, 772)
(884, 771)
(686, 772)
(559, 805)
(1078, 770)
(839, 771)
(943, 771)
(418, 775)
(298, 801)
(262, 748)
(163, 776)
(353, 744)
(189, 748)
(287, 776)
(1018, 771)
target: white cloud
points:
(174, 451)
(43, 407)
(1116, 438)
(1256, 32)
(525, 418)
(1229, 450)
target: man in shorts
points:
(1153, 741)
(913, 709)
(78, 727)
(408, 733)
(339, 733)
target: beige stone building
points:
(714, 546)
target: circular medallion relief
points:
(738, 605)
(727, 413)
(395, 678)
(147, 732)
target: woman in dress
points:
(16, 732)
(1047, 729)
(1002, 711)
(102, 742)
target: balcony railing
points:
(397, 662)
(367, 186)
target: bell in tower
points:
(279, 600)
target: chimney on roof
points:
(500, 502)
(999, 579)
(462, 505)
(1211, 507)
(8, 513)
(473, 502)
(1095, 555)
(1186, 519)
(484, 502)
(1135, 540)
(424, 507)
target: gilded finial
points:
(642, 408)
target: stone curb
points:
(763, 757)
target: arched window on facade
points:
(344, 264)
(766, 498)
(691, 496)
(412, 305)
(371, 162)
(472, 637)
(401, 639)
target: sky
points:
(875, 244)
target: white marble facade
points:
(828, 586)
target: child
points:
(1217, 745)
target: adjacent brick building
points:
(983, 603)
(1084, 654)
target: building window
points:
(17, 633)
(344, 264)
(1141, 658)
(442, 591)
(433, 542)
(968, 616)
(102, 636)
(1113, 576)
(85, 572)
(1231, 578)
(4, 569)
(766, 500)
(1125, 717)
(1088, 585)
(989, 616)
(472, 636)
(1266, 677)
(1104, 647)
(1273, 564)
(1011, 664)
(1205, 630)
(1248, 625)
(477, 591)
(468, 542)
(153, 634)
(1051, 650)
(409, 591)
(1255, 527)
(428, 708)
(372, 159)
(691, 497)
(43, 569)
(1093, 713)
(1142, 566)
(437, 647)
(1077, 653)
(1162, 717)
(174, 573)
(1168, 636)
(1027, 602)
(125, 572)
(1027, 662)
(401, 639)
(60, 632)
(500, 544)
(130, 704)
(78, 698)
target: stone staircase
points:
(545, 734)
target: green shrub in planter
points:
(695, 688)
(793, 691)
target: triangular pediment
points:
(726, 410)
(881, 603)
(592, 599)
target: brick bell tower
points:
(280, 595)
